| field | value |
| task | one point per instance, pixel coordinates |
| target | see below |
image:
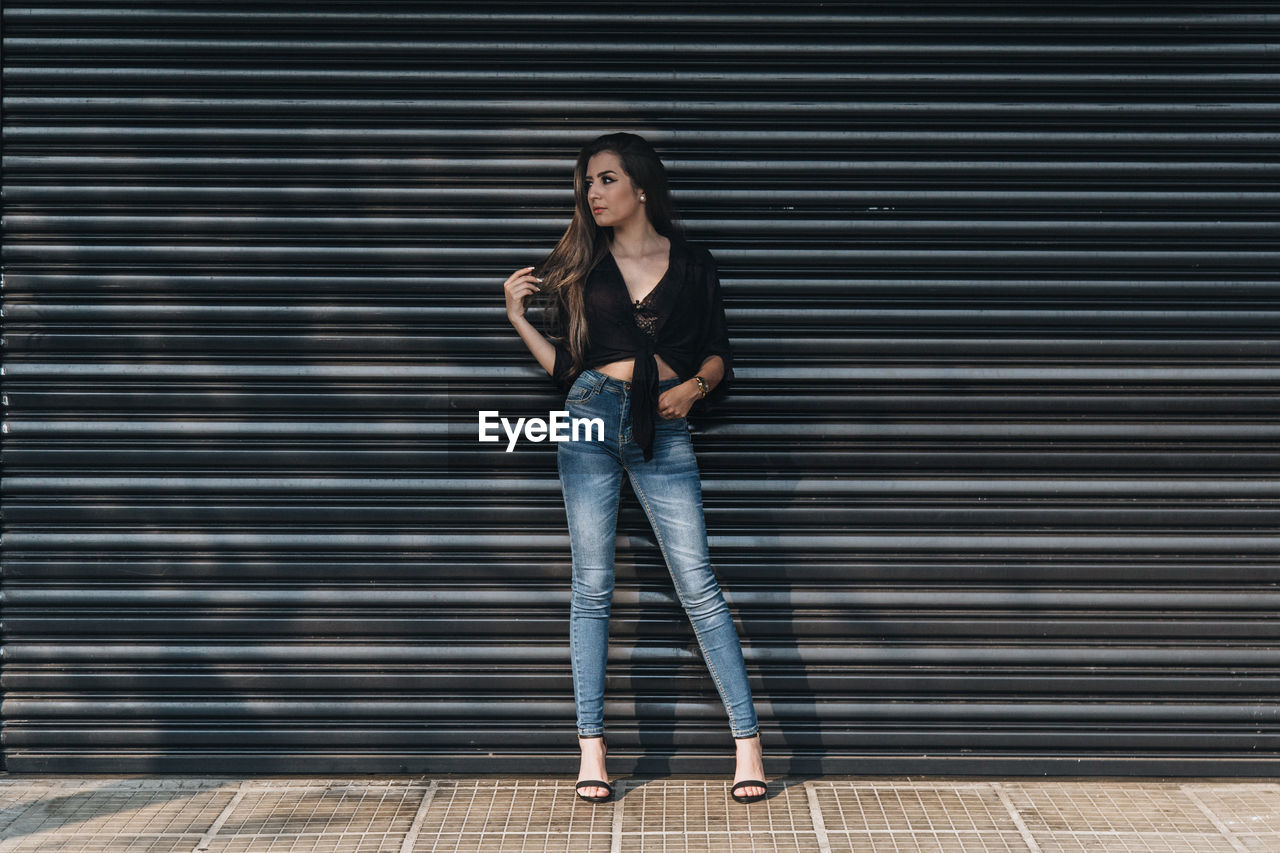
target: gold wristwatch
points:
(702, 386)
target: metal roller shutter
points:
(996, 491)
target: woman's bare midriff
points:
(623, 369)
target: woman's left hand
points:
(676, 402)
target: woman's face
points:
(613, 199)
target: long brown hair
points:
(564, 272)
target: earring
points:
(642, 196)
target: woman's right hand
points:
(519, 286)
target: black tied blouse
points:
(682, 319)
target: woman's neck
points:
(637, 242)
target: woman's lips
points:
(596, 209)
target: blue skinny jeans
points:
(670, 492)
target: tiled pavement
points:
(60, 814)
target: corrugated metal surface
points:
(996, 492)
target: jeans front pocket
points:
(582, 390)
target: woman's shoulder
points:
(696, 252)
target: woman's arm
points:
(677, 400)
(518, 287)
(715, 349)
(543, 350)
(712, 371)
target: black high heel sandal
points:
(595, 783)
(749, 783)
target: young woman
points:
(639, 338)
